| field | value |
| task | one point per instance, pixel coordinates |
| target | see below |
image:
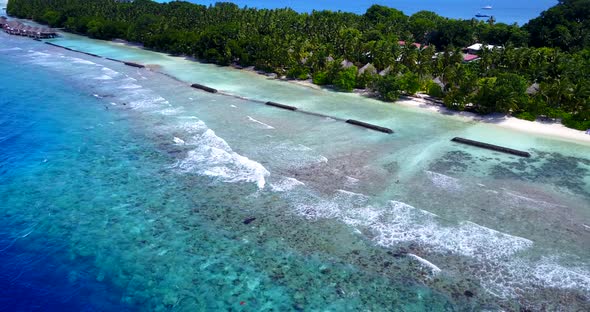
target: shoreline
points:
(554, 130)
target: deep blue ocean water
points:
(505, 11)
(41, 118)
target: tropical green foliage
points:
(346, 79)
(566, 25)
(435, 90)
(318, 44)
(504, 93)
(389, 88)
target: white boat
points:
(487, 7)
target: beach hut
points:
(438, 81)
(385, 71)
(532, 89)
(346, 64)
(368, 68)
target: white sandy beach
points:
(550, 129)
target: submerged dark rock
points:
(249, 220)
(402, 252)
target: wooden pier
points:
(20, 29)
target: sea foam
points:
(443, 181)
(501, 266)
(262, 124)
(214, 157)
(286, 184)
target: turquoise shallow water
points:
(136, 187)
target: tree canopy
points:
(566, 26)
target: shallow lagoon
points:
(143, 185)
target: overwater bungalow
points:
(20, 29)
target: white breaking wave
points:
(139, 98)
(426, 263)
(178, 141)
(519, 200)
(11, 49)
(171, 111)
(351, 180)
(286, 184)
(398, 223)
(508, 278)
(37, 54)
(552, 274)
(293, 147)
(110, 72)
(80, 61)
(214, 157)
(210, 156)
(296, 155)
(130, 86)
(265, 126)
(501, 267)
(443, 181)
(103, 77)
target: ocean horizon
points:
(504, 11)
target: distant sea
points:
(505, 11)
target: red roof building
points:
(417, 45)
(470, 57)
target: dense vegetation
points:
(542, 69)
(566, 26)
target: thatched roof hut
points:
(438, 81)
(346, 64)
(385, 71)
(368, 68)
(532, 89)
